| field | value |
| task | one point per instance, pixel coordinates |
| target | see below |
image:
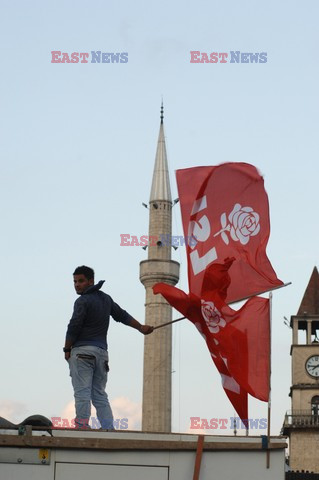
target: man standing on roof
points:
(86, 347)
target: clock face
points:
(312, 366)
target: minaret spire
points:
(158, 268)
(161, 189)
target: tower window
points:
(315, 405)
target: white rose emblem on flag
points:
(212, 316)
(244, 223)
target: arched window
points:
(315, 405)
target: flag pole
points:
(235, 301)
(169, 323)
(258, 293)
(269, 400)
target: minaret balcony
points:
(153, 271)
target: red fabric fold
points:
(225, 213)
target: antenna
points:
(286, 322)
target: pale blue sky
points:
(77, 151)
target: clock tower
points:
(302, 422)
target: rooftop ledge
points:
(130, 440)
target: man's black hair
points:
(86, 271)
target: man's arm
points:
(122, 316)
(145, 329)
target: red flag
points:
(191, 307)
(225, 208)
(245, 342)
(238, 341)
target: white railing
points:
(301, 418)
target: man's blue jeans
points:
(88, 370)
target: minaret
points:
(159, 267)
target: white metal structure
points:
(97, 455)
